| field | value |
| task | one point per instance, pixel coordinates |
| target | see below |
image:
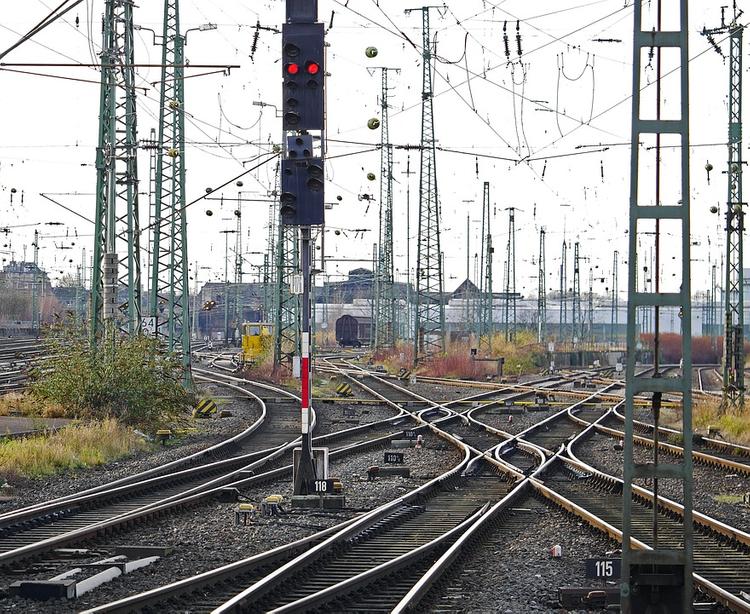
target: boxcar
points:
(353, 331)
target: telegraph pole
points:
(116, 227)
(429, 330)
(385, 303)
(733, 390)
(170, 280)
(303, 187)
(541, 301)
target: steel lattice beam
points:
(170, 292)
(116, 227)
(510, 278)
(385, 305)
(485, 321)
(662, 577)
(429, 337)
(541, 300)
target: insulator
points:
(209, 213)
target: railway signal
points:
(303, 66)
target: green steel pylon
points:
(385, 304)
(35, 287)
(286, 305)
(576, 311)
(170, 290)
(590, 314)
(485, 321)
(429, 337)
(116, 228)
(238, 298)
(510, 278)
(733, 390)
(541, 300)
(563, 321)
(615, 315)
(663, 573)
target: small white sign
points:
(551, 346)
(148, 326)
(618, 367)
(296, 284)
(296, 366)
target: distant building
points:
(18, 275)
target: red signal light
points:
(313, 68)
(292, 68)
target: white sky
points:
(49, 129)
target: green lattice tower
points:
(665, 571)
(541, 301)
(576, 307)
(733, 390)
(510, 278)
(485, 319)
(385, 304)
(269, 258)
(287, 305)
(35, 288)
(429, 329)
(614, 315)
(170, 290)
(116, 227)
(590, 314)
(238, 298)
(563, 321)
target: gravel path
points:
(211, 431)
(716, 493)
(511, 570)
(206, 537)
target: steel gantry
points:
(659, 578)
(541, 300)
(733, 390)
(116, 228)
(385, 303)
(170, 291)
(485, 320)
(429, 336)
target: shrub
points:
(130, 379)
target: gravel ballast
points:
(511, 570)
(206, 536)
(716, 492)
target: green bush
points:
(130, 379)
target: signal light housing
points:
(302, 192)
(304, 73)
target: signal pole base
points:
(323, 502)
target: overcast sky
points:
(550, 131)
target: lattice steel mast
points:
(116, 228)
(660, 578)
(510, 277)
(733, 390)
(170, 289)
(541, 301)
(36, 282)
(577, 319)
(286, 304)
(429, 337)
(615, 316)
(563, 291)
(385, 304)
(485, 321)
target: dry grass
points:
(23, 404)
(521, 357)
(264, 371)
(707, 413)
(72, 447)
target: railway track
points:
(33, 531)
